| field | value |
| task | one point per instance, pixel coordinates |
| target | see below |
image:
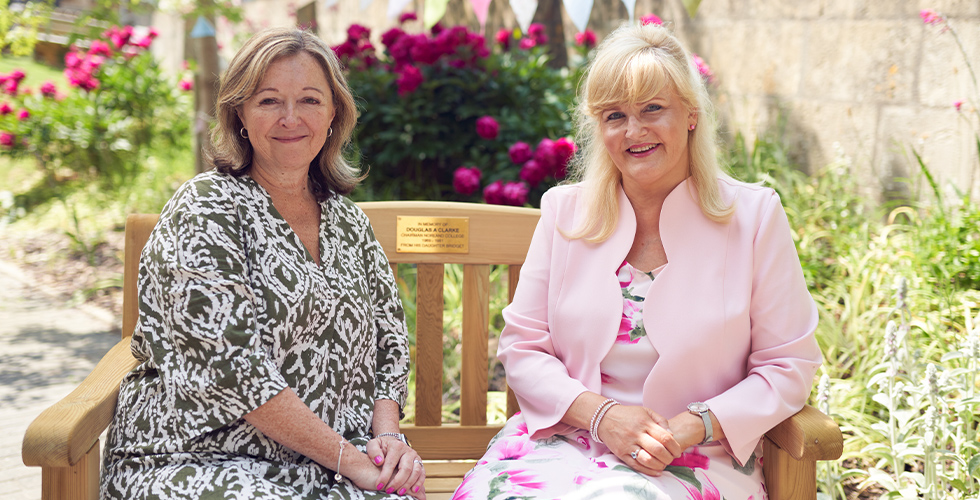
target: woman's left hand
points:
(401, 467)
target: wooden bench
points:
(64, 439)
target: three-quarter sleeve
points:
(198, 319)
(392, 363)
(784, 354)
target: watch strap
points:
(702, 410)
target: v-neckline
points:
(297, 241)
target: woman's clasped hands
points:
(398, 468)
(640, 437)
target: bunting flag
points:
(631, 8)
(524, 10)
(434, 10)
(365, 4)
(579, 11)
(482, 9)
(396, 7)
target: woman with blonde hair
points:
(661, 324)
(271, 340)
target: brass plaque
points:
(433, 235)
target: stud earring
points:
(691, 127)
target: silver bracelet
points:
(597, 418)
(596, 412)
(337, 477)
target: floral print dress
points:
(233, 310)
(574, 467)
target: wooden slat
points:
(428, 347)
(63, 433)
(498, 234)
(476, 334)
(450, 441)
(138, 228)
(443, 468)
(78, 482)
(809, 435)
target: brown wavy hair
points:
(230, 153)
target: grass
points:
(37, 73)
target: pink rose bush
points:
(136, 103)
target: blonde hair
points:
(231, 153)
(630, 66)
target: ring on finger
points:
(635, 454)
(419, 463)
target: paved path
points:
(46, 348)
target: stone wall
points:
(862, 78)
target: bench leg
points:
(786, 477)
(79, 482)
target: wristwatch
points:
(397, 435)
(700, 408)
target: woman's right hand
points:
(625, 429)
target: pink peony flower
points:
(406, 17)
(358, 32)
(144, 43)
(5, 109)
(546, 155)
(493, 194)
(703, 68)
(930, 16)
(48, 89)
(409, 79)
(586, 39)
(98, 47)
(119, 36)
(391, 36)
(7, 139)
(487, 127)
(527, 44)
(958, 105)
(503, 38)
(515, 194)
(186, 84)
(533, 173)
(564, 150)
(537, 33)
(23, 115)
(651, 19)
(153, 33)
(520, 152)
(17, 75)
(466, 180)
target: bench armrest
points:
(62, 434)
(809, 435)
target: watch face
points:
(698, 407)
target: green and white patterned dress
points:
(233, 310)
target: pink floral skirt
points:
(573, 467)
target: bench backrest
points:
(431, 237)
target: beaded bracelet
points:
(337, 477)
(597, 418)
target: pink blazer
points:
(730, 314)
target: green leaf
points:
(692, 7)
(973, 466)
